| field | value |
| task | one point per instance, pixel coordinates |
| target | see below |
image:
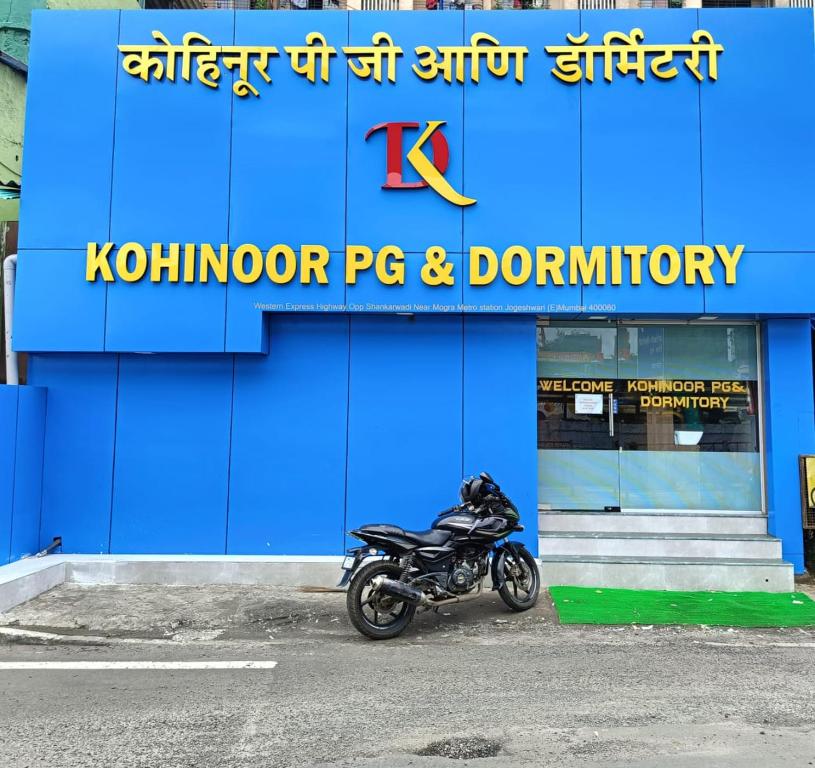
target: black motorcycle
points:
(445, 565)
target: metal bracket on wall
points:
(57, 542)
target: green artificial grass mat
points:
(590, 605)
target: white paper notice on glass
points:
(588, 403)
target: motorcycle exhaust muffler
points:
(415, 596)
(400, 590)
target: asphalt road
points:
(538, 693)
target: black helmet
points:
(474, 489)
(471, 489)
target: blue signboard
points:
(213, 167)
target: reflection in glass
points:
(577, 351)
(678, 427)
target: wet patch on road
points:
(463, 748)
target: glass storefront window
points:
(648, 417)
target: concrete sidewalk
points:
(237, 613)
(25, 579)
(106, 614)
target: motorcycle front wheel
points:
(520, 583)
(377, 616)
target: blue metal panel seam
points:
(767, 424)
(347, 434)
(113, 463)
(112, 156)
(463, 353)
(701, 152)
(7, 557)
(701, 175)
(463, 166)
(228, 240)
(345, 298)
(580, 151)
(42, 466)
(229, 456)
(345, 240)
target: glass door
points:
(578, 461)
(659, 417)
(687, 419)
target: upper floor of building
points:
(460, 5)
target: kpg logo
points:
(431, 171)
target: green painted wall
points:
(15, 19)
(12, 99)
(15, 24)
(15, 32)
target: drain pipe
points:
(9, 276)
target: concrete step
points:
(687, 545)
(625, 522)
(670, 573)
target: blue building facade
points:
(471, 244)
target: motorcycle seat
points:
(431, 538)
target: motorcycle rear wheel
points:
(379, 617)
(521, 580)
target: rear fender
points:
(377, 548)
(360, 554)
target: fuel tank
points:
(492, 527)
(457, 523)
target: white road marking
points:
(101, 665)
(758, 645)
